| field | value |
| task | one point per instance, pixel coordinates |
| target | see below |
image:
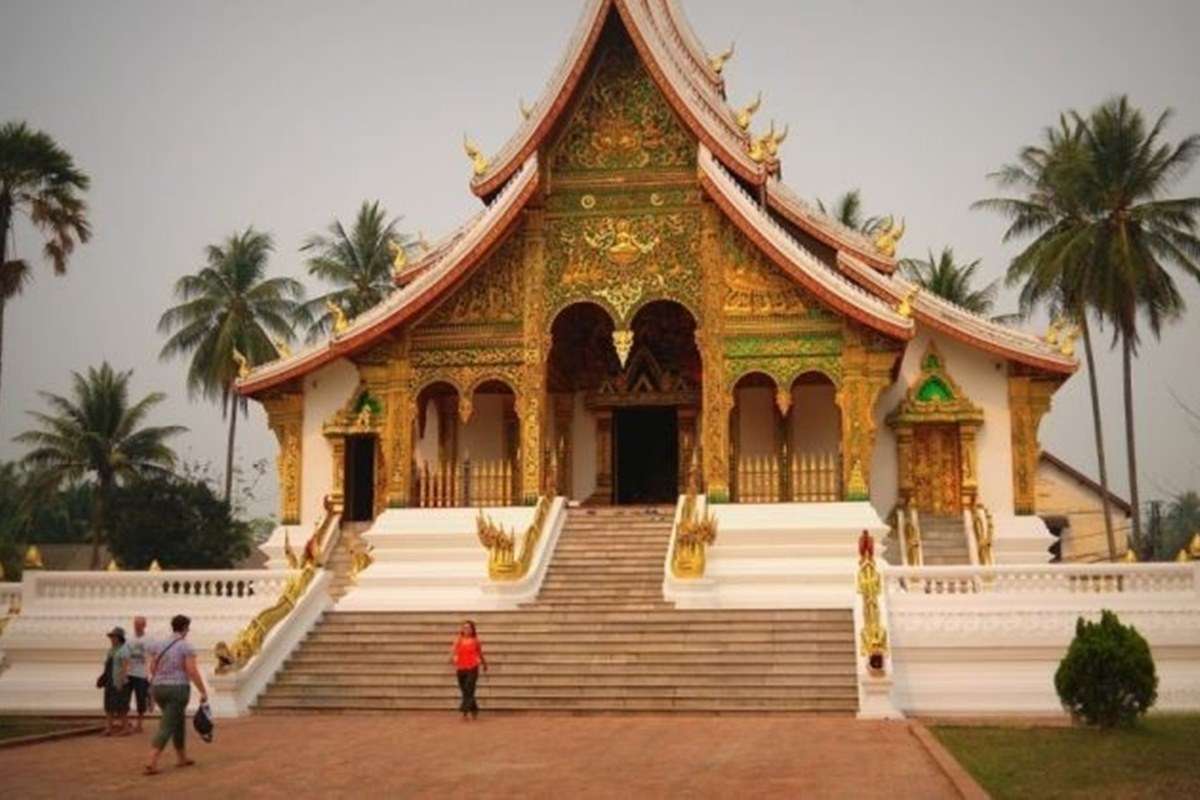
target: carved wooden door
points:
(937, 477)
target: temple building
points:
(641, 302)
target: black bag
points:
(203, 722)
(102, 681)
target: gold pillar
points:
(531, 394)
(685, 427)
(603, 495)
(716, 399)
(735, 449)
(511, 431)
(337, 498)
(1028, 401)
(865, 374)
(285, 416)
(968, 466)
(904, 441)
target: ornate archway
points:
(936, 426)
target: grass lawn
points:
(16, 727)
(1155, 759)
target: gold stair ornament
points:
(1194, 546)
(1130, 557)
(873, 641)
(689, 558)
(249, 641)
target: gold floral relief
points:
(622, 121)
(492, 294)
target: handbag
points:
(102, 681)
(203, 722)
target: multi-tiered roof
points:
(738, 171)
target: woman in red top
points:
(467, 655)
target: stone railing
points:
(182, 586)
(10, 598)
(1068, 580)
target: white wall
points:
(482, 438)
(984, 379)
(816, 420)
(325, 392)
(583, 451)
(425, 448)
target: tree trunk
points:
(1099, 431)
(233, 409)
(99, 518)
(1130, 444)
(3, 303)
(5, 220)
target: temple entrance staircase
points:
(944, 540)
(341, 560)
(598, 638)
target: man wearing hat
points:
(115, 682)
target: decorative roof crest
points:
(717, 62)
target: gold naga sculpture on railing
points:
(984, 529)
(249, 641)
(504, 562)
(912, 535)
(873, 640)
(694, 534)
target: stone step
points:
(715, 664)
(447, 688)
(434, 630)
(839, 706)
(454, 617)
(499, 680)
(645, 650)
(498, 636)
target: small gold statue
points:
(526, 111)
(243, 366)
(718, 61)
(905, 309)
(340, 323)
(479, 162)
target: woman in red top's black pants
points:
(467, 655)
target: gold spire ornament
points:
(905, 309)
(889, 236)
(1130, 557)
(1182, 556)
(399, 256)
(112, 566)
(33, 558)
(526, 111)
(243, 366)
(1066, 341)
(765, 148)
(479, 162)
(423, 243)
(747, 113)
(340, 323)
(623, 342)
(1194, 546)
(154, 566)
(718, 61)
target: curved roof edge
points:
(695, 48)
(834, 290)
(470, 247)
(961, 324)
(690, 92)
(823, 227)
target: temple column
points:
(531, 394)
(865, 374)
(685, 426)
(904, 443)
(396, 439)
(967, 463)
(285, 416)
(1028, 402)
(603, 495)
(337, 497)
(716, 399)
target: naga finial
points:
(340, 323)
(479, 162)
(905, 309)
(776, 139)
(889, 235)
(717, 62)
(1054, 331)
(747, 113)
(526, 111)
(1068, 333)
(423, 243)
(399, 256)
(243, 366)
(765, 148)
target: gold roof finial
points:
(1052, 333)
(717, 62)
(243, 366)
(154, 566)
(112, 566)
(776, 139)
(479, 162)
(282, 348)
(905, 309)
(889, 236)
(340, 323)
(747, 113)
(399, 256)
(1130, 557)
(526, 111)
(1066, 342)
(423, 243)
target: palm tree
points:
(1137, 233)
(96, 434)
(40, 180)
(1053, 269)
(950, 280)
(358, 263)
(848, 210)
(229, 306)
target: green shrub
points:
(1107, 677)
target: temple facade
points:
(641, 305)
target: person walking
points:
(139, 682)
(467, 655)
(115, 682)
(173, 672)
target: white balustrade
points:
(232, 586)
(1051, 579)
(10, 598)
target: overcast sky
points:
(197, 119)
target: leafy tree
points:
(179, 522)
(848, 210)
(950, 280)
(1053, 270)
(229, 305)
(357, 262)
(39, 180)
(96, 434)
(1107, 677)
(1169, 527)
(14, 520)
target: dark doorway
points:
(646, 450)
(360, 479)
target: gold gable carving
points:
(492, 294)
